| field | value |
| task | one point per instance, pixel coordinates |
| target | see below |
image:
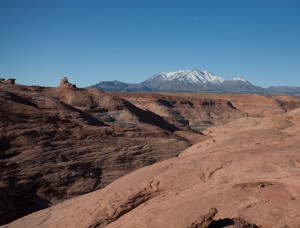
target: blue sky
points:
(130, 40)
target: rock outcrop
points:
(249, 171)
(58, 143)
(197, 112)
(11, 81)
(65, 84)
(205, 220)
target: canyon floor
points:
(85, 158)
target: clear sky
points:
(130, 40)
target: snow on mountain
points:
(185, 81)
(190, 76)
(239, 79)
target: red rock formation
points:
(57, 143)
(205, 220)
(248, 171)
(9, 81)
(64, 83)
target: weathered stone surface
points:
(248, 171)
(58, 143)
(11, 81)
(205, 220)
(65, 83)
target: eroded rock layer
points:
(250, 173)
(61, 142)
(57, 143)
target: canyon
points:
(75, 157)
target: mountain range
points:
(194, 81)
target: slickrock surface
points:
(205, 220)
(57, 143)
(249, 171)
(253, 104)
(193, 111)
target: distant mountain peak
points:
(194, 80)
(194, 76)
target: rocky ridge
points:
(58, 143)
(249, 171)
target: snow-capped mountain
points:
(185, 81)
(190, 76)
(196, 81)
